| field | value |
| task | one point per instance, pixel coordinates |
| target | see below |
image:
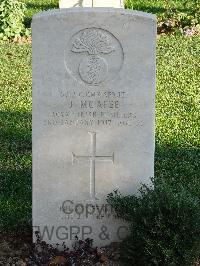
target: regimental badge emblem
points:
(97, 55)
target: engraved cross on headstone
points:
(92, 158)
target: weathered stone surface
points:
(91, 3)
(93, 118)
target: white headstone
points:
(91, 3)
(93, 118)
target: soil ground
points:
(16, 250)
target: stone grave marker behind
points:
(91, 3)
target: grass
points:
(15, 135)
(177, 119)
(177, 130)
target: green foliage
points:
(164, 222)
(183, 19)
(173, 15)
(35, 6)
(12, 13)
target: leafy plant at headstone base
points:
(12, 13)
(83, 253)
(164, 225)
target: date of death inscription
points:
(86, 109)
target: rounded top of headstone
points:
(134, 14)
